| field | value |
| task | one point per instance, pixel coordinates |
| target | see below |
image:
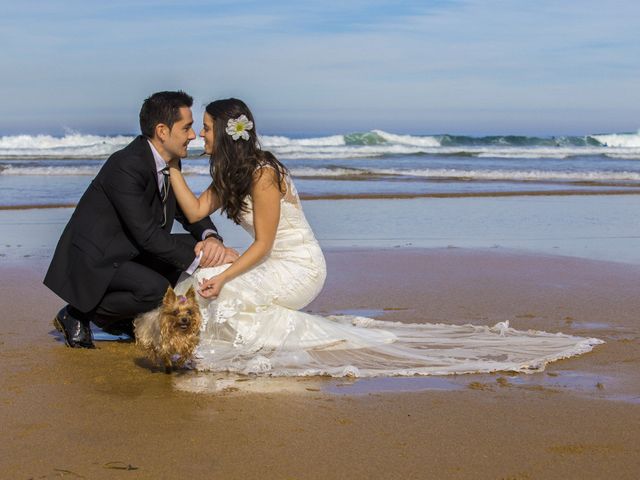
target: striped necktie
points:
(164, 194)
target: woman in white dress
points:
(252, 322)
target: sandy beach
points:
(107, 413)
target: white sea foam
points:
(290, 152)
(16, 170)
(357, 151)
(624, 140)
(631, 155)
(72, 145)
(411, 140)
(516, 175)
(456, 174)
(71, 140)
(539, 152)
(296, 172)
(269, 141)
(426, 173)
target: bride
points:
(252, 323)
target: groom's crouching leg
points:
(135, 289)
(116, 327)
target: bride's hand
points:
(210, 288)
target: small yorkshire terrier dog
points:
(170, 333)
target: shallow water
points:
(594, 227)
(549, 383)
(48, 190)
(366, 386)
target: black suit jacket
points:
(117, 218)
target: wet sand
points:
(107, 413)
(619, 190)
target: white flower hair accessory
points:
(239, 127)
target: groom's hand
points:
(231, 255)
(213, 252)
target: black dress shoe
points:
(77, 333)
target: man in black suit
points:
(117, 256)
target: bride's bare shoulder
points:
(266, 176)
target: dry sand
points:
(106, 414)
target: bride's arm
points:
(266, 196)
(194, 208)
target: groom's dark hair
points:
(162, 107)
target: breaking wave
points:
(454, 174)
(372, 144)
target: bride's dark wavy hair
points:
(233, 163)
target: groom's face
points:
(181, 133)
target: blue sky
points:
(461, 67)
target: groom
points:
(117, 255)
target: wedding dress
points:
(255, 327)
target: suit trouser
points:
(137, 287)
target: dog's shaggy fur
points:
(170, 333)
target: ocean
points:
(42, 170)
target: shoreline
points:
(396, 196)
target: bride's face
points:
(208, 133)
